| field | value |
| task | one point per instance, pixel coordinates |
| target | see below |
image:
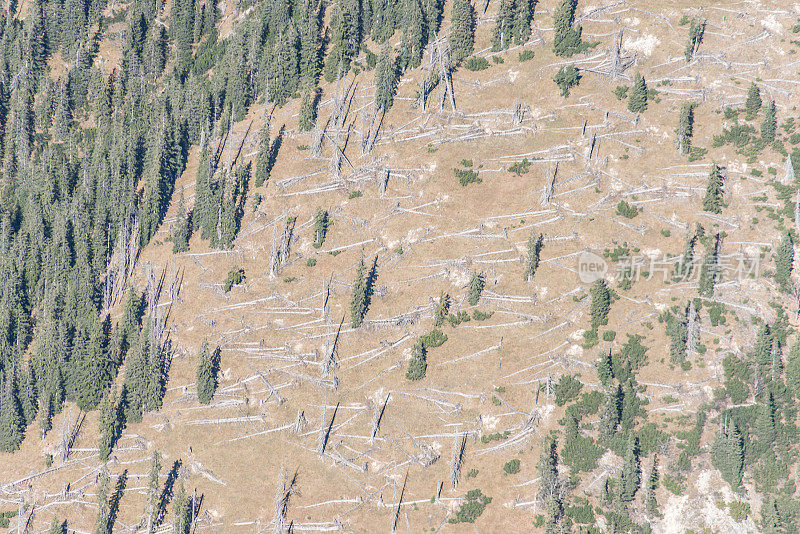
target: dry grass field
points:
(277, 412)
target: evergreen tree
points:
(610, 414)
(73, 25)
(309, 43)
(183, 229)
(605, 368)
(232, 207)
(144, 376)
(770, 123)
(284, 73)
(432, 12)
(523, 16)
(784, 260)
(102, 524)
(637, 101)
(462, 30)
(443, 307)
(765, 427)
(753, 101)
(504, 26)
(727, 453)
(683, 269)
(110, 423)
(709, 270)
(205, 210)
(631, 470)
(414, 35)
(37, 38)
(771, 522)
(264, 157)
(182, 21)
(238, 94)
(155, 51)
(601, 303)
(685, 128)
(153, 510)
(182, 511)
(550, 485)
(321, 223)
(713, 201)
(95, 371)
(384, 20)
(566, 78)
(476, 285)
(793, 369)
(358, 299)
(345, 38)
(677, 332)
(11, 421)
(696, 30)
(567, 39)
(651, 485)
(417, 365)
(385, 80)
(128, 326)
(207, 370)
(762, 356)
(29, 395)
(534, 249)
(630, 405)
(308, 111)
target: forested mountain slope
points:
(361, 265)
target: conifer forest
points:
(399, 266)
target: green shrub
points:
(311, 262)
(476, 63)
(621, 92)
(472, 508)
(581, 514)
(466, 176)
(458, 318)
(567, 388)
(520, 168)
(590, 338)
(609, 335)
(481, 316)
(434, 338)
(674, 484)
(627, 210)
(497, 436)
(511, 467)
(526, 55)
(739, 510)
(355, 194)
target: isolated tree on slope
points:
(637, 102)
(206, 374)
(713, 201)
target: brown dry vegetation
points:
(279, 327)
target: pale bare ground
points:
(278, 327)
